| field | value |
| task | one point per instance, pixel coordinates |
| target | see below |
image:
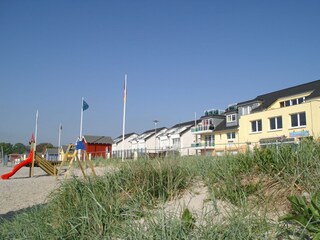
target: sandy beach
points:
(21, 192)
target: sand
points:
(21, 192)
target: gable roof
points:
(267, 99)
(223, 126)
(148, 134)
(119, 138)
(185, 124)
(180, 128)
(52, 151)
(98, 139)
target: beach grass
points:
(122, 204)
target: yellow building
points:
(279, 117)
(204, 132)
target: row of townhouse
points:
(177, 138)
(283, 116)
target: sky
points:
(182, 57)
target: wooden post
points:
(64, 160)
(90, 164)
(75, 157)
(33, 157)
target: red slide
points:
(16, 168)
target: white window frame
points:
(246, 109)
(231, 118)
(257, 126)
(299, 119)
(231, 135)
(209, 140)
(293, 101)
(276, 123)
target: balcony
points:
(203, 145)
(213, 112)
(202, 129)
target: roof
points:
(147, 134)
(98, 139)
(52, 151)
(212, 116)
(185, 124)
(269, 98)
(180, 128)
(65, 148)
(119, 138)
(223, 127)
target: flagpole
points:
(81, 118)
(36, 130)
(35, 144)
(124, 113)
(59, 143)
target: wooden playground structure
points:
(54, 168)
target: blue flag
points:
(85, 105)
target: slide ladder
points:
(45, 165)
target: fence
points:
(202, 149)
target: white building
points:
(118, 143)
(178, 138)
(147, 141)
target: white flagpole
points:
(195, 126)
(36, 131)
(81, 119)
(124, 113)
(59, 143)
(35, 145)
(80, 136)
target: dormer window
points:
(231, 118)
(292, 102)
(245, 110)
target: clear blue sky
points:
(181, 57)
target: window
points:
(176, 142)
(209, 140)
(298, 119)
(301, 100)
(245, 110)
(275, 123)
(287, 103)
(292, 102)
(256, 126)
(281, 104)
(231, 118)
(231, 135)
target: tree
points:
(7, 148)
(19, 148)
(41, 147)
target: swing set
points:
(79, 151)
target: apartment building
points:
(178, 138)
(147, 141)
(204, 136)
(120, 146)
(283, 116)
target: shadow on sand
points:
(10, 215)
